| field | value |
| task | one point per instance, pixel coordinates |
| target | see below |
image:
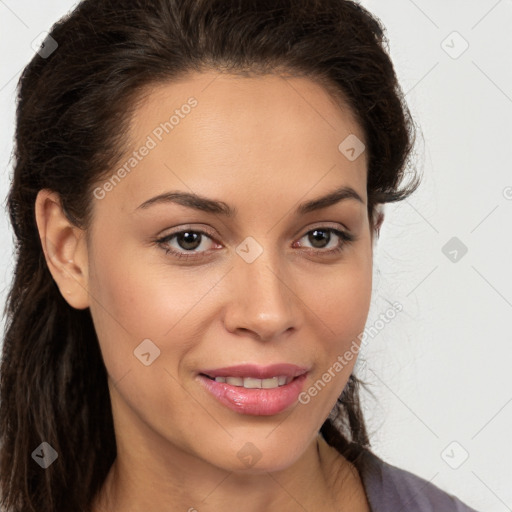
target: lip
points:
(257, 371)
(256, 402)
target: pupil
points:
(189, 238)
(323, 234)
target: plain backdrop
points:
(440, 371)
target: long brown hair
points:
(74, 104)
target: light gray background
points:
(440, 371)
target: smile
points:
(260, 390)
(252, 383)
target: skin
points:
(262, 145)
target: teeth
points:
(235, 381)
(251, 383)
(270, 383)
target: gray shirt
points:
(391, 489)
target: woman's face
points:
(262, 286)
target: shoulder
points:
(388, 487)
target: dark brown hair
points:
(73, 112)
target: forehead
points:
(228, 101)
(209, 130)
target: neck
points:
(153, 473)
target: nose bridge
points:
(263, 301)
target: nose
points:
(264, 302)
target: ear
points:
(378, 224)
(379, 219)
(65, 249)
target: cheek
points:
(126, 307)
(135, 301)
(143, 300)
(341, 299)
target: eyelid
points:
(209, 232)
(341, 232)
(180, 229)
(345, 236)
(326, 224)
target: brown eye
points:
(318, 237)
(188, 240)
(186, 243)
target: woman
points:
(197, 191)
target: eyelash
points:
(345, 239)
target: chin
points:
(264, 454)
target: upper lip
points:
(257, 372)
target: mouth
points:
(253, 383)
(255, 390)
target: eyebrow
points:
(197, 202)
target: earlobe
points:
(379, 215)
(65, 249)
(380, 220)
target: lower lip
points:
(258, 402)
